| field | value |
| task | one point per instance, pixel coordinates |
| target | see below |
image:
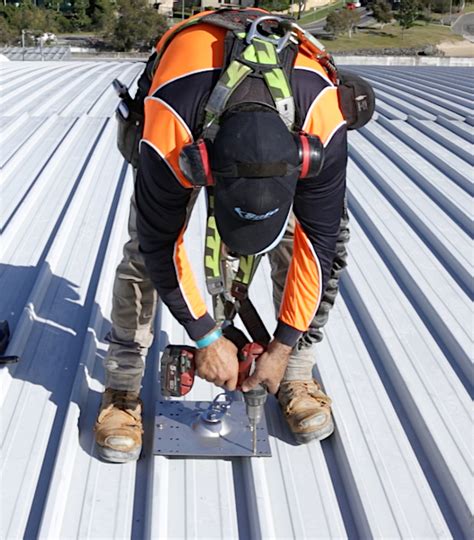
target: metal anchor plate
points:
(197, 428)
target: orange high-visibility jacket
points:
(186, 74)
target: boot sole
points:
(115, 456)
(304, 438)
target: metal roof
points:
(37, 53)
(396, 358)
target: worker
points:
(275, 193)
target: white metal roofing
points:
(37, 53)
(396, 358)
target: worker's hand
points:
(270, 368)
(218, 363)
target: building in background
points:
(166, 7)
(221, 3)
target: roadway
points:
(317, 27)
(464, 25)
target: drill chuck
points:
(254, 401)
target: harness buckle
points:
(239, 291)
(254, 32)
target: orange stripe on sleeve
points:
(195, 49)
(165, 36)
(304, 60)
(303, 284)
(187, 283)
(167, 134)
(324, 115)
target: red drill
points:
(178, 368)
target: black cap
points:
(254, 161)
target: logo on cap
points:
(250, 216)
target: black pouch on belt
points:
(356, 99)
(131, 115)
(130, 120)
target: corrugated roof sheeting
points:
(397, 357)
(37, 53)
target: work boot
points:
(118, 430)
(307, 410)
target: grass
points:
(319, 13)
(420, 35)
(469, 8)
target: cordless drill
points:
(178, 368)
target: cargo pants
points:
(135, 298)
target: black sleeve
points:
(318, 207)
(319, 203)
(161, 216)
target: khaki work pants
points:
(134, 305)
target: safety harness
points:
(252, 50)
(257, 46)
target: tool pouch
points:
(129, 130)
(130, 125)
(356, 99)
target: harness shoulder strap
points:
(215, 282)
(257, 59)
(213, 250)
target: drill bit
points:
(254, 402)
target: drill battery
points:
(178, 367)
(177, 370)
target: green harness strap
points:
(214, 260)
(264, 55)
(247, 267)
(213, 250)
(259, 57)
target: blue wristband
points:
(209, 338)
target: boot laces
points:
(125, 401)
(305, 389)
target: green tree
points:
(408, 13)
(7, 34)
(101, 14)
(27, 17)
(352, 19)
(79, 18)
(138, 26)
(275, 5)
(382, 12)
(342, 21)
(335, 23)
